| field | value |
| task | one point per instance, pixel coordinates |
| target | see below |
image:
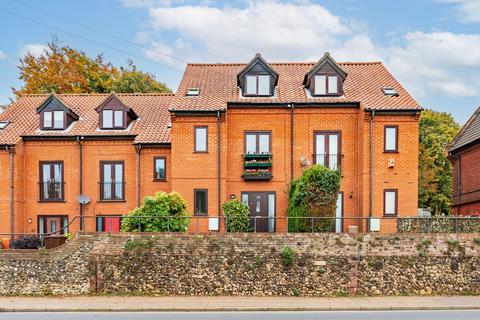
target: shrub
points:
(25, 242)
(314, 194)
(236, 216)
(160, 213)
(288, 256)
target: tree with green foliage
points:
(435, 180)
(63, 69)
(160, 213)
(314, 194)
(236, 215)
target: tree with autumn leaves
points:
(63, 69)
(435, 179)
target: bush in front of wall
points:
(312, 200)
(160, 213)
(236, 216)
(25, 242)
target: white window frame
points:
(56, 114)
(261, 79)
(320, 85)
(250, 84)
(48, 118)
(332, 82)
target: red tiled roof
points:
(150, 127)
(218, 86)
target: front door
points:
(262, 210)
(52, 225)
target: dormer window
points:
(3, 124)
(258, 85)
(325, 78)
(112, 119)
(55, 114)
(114, 114)
(326, 85)
(53, 119)
(257, 79)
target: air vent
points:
(389, 91)
(3, 124)
(193, 91)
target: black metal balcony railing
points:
(329, 160)
(112, 190)
(51, 191)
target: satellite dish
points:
(83, 199)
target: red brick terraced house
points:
(464, 152)
(231, 131)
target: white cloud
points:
(3, 55)
(437, 63)
(469, 9)
(277, 30)
(433, 63)
(35, 49)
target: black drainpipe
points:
(371, 170)
(80, 157)
(12, 193)
(459, 180)
(292, 107)
(139, 149)
(219, 164)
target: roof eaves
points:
(452, 145)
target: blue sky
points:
(431, 46)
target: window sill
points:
(49, 201)
(200, 151)
(390, 215)
(200, 214)
(159, 180)
(326, 95)
(52, 129)
(108, 201)
(390, 151)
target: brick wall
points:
(187, 170)
(467, 201)
(27, 158)
(353, 125)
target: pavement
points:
(293, 315)
(196, 304)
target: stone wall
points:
(248, 264)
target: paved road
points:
(334, 315)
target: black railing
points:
(331, 161)
(112, 190)
(51, 191)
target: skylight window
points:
(193, 91)
(389, 91)
(3, 124)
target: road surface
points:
(323, 315)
